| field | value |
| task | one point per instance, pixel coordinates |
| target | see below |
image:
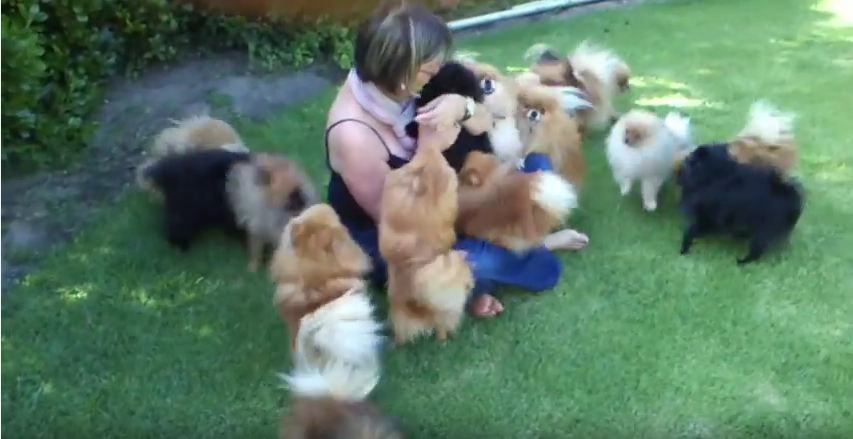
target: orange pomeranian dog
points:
(599, 72)
(513, 209)
(544, 127)
(428, 283)
(318, 270)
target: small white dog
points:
(642, 146)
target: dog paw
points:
(441, 336)
(650, 205)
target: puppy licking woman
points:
(397, 51)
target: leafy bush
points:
(57, 53)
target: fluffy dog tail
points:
(336, 380)
(554, 194)
(343, 330)
(601, 63)
(197, 132)
(679, 126)
(444, 283)
(768, 125)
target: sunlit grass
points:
(119, 335)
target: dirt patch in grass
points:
(41, 210)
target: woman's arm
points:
(360, 158)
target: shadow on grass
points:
(121, 336)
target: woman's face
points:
(425, 73)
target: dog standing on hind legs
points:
(320, 292)
(428, 282)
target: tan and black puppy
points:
(195, 133)
(252, 193)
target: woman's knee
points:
(549, 267)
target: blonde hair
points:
(395, 41)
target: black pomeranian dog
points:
(720, 195)
(245, 193)
(455, 78)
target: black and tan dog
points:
(237, 191)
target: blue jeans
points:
(492, 266)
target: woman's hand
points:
(442, 112)
(431, 137)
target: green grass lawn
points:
(120, 336)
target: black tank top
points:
(339, 195)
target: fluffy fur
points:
(329, 401)
(721, 195)
(512, 209)
(767, 139)
(502, 99)
(428, 283)
(642, 147)
(194, 133)
(544, 127)
(237, 191)
(454, 78)
(598, 71)
(318, 269)
(197, 132)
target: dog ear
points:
(310, 235)
(299, 233)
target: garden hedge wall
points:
(56, 55)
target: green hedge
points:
(58, 53)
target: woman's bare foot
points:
(567, 239)
(485, 306)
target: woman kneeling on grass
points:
(397, 51)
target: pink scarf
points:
(394, 114)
